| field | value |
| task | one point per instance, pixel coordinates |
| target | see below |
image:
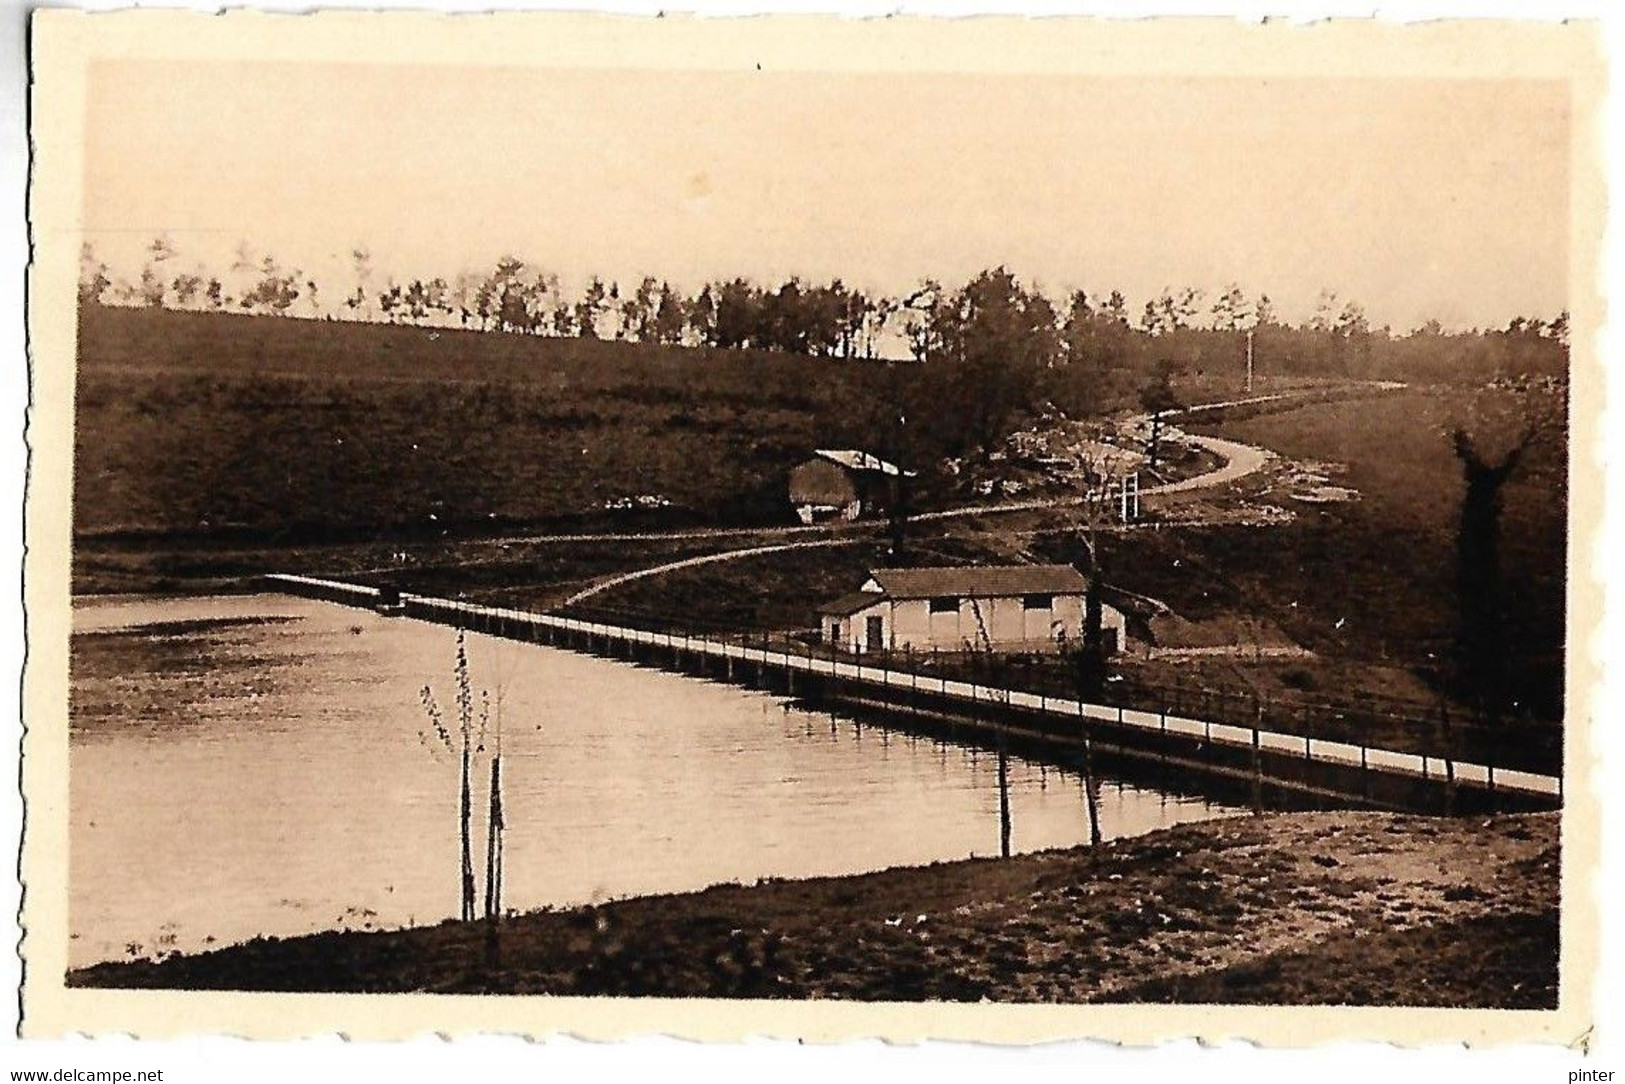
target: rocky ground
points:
(1323, 908)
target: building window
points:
(1037, 602)
(945, 605)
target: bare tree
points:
(361, 261)
(153, 285)
(465, 743)
(1491, 446)
(591, 306)
(186, 287)
(1230, 309)
(93, 278)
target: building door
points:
(876, 629)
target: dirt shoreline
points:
(1314, 908)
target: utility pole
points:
(1249, 362)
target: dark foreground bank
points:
(1324, 908)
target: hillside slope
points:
(224, 425)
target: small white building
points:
(1010, 608)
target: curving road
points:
(1239, 459)
(704, 559)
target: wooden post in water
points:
(1004, 799)
(1091, 789)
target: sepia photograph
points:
(640, 510)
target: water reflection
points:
(248, 766)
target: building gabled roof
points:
(854, 460)
(979, 581)
(850, 604)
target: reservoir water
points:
(263, 766)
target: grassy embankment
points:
(209, 444)
(1329, 908)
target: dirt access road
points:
(1239, 460)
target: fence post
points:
(1449, 760)
(1258, 775)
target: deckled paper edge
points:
(66, 44)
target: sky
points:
(1418, 198)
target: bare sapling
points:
(465, 743)
(465, 721)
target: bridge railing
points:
(882, 672)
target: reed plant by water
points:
(467, 743)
